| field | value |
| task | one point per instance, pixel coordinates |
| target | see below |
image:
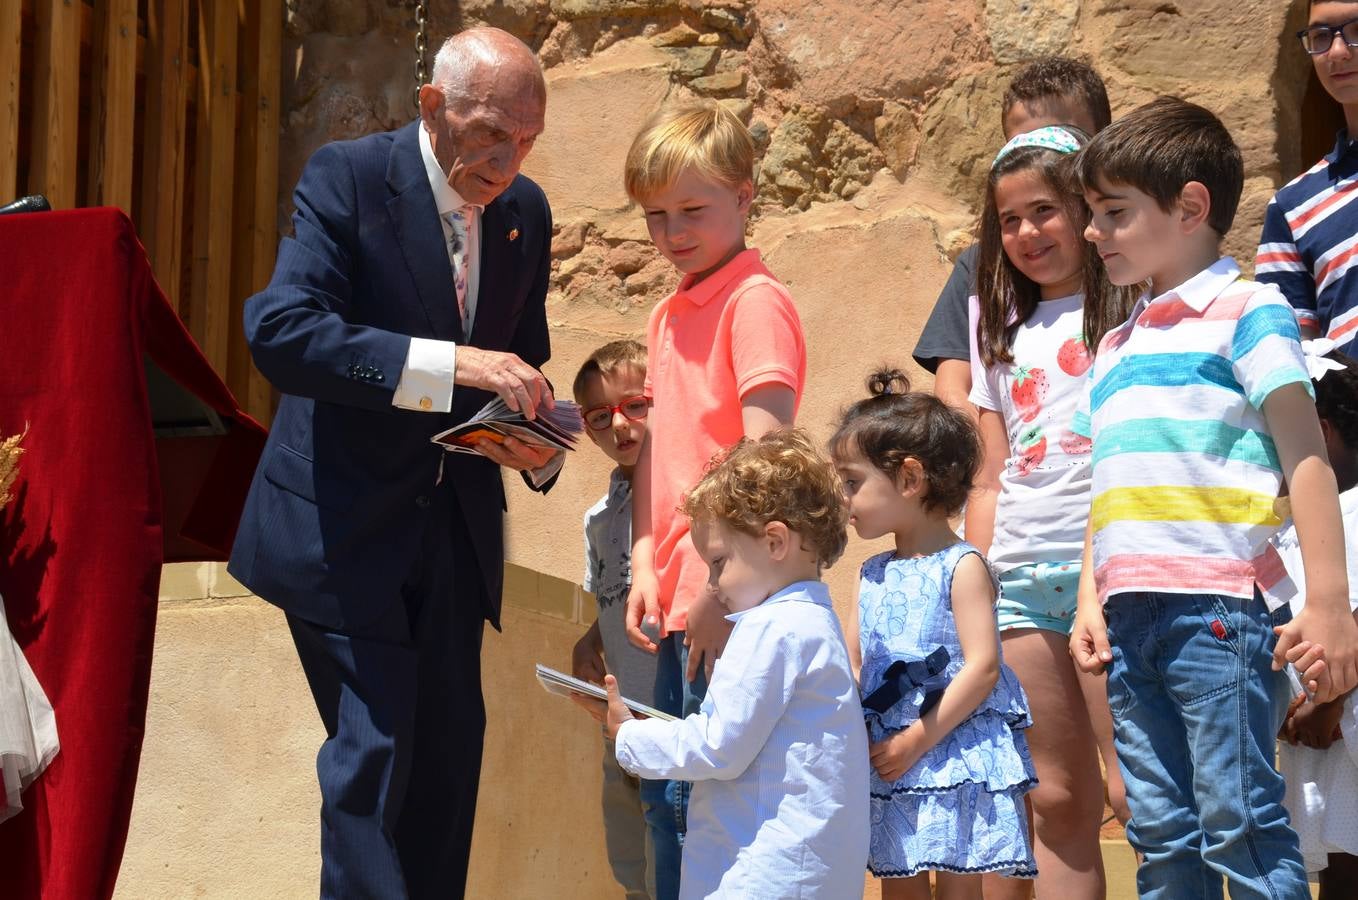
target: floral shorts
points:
(1041, 595)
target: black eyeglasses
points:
(600, 418)
(1319, 38)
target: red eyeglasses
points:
(600, 418)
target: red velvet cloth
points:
(81, 542)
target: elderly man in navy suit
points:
(410, 292)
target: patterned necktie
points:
(457, 253)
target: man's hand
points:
(516, 454)
(522, 387)
(705, 633)
(1089, 641)
(643, 604)
(618, 713)
(894, 756)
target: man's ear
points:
(778, 538)
(431, 101)
(1194, 206)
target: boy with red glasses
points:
(610, 390)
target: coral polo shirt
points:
(709, 345)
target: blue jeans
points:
(665, 803)
(1196, 708)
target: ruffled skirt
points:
(960, 808)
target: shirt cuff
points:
(427, 378)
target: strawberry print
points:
(1073, 357)
(1075, 444)
(1028, 391)
(1032, 450)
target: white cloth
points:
(426, 381)
(1322, 785)
(779, 757)
(28, 728)
(1043, 505)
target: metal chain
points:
(421, 38)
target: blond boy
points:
(726, 360)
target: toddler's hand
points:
(1316, 725)
(618, 713)
(1288, 731)
(894, 756)
(1089, 641)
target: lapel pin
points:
(513, 234)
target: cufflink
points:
(426, 403)
(513, 234)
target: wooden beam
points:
(162, 142)
(11, 18)
(210, 300)
(56, 102)
(113, 103)
(256, 204)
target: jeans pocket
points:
(1204, 656)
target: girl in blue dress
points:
(945, 716)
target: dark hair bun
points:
(888, 381)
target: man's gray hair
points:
(462, 53)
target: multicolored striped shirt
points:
(1309, 245)
(1185, 471)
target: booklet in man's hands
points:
(555, 429)
(560, 683)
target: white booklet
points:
(554, 682)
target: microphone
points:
(30, 204)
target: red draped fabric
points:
(81, 543)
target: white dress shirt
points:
(427, 379)
(779, 757)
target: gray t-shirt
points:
(608, 575)
(945, 334)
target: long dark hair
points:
(1008, 297)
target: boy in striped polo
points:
(1309, 244)
(1199, 405)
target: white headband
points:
(1049, 137)
(1316, 363)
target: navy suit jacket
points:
(346, 483)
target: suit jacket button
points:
(379, 377)
(422, 501)
(426, 403)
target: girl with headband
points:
(1043, 304)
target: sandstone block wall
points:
(876, 120)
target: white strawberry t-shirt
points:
(1043, 505)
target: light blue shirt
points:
(779, 754)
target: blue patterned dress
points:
(960, 808)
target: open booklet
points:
(555, 428)
(555, 682)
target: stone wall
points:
(875, 118)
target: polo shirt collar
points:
(816, 592)
(1343, 146)
(1198, 292)
(445, 198)
(716, 283)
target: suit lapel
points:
(499, 233)
(415, 222)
